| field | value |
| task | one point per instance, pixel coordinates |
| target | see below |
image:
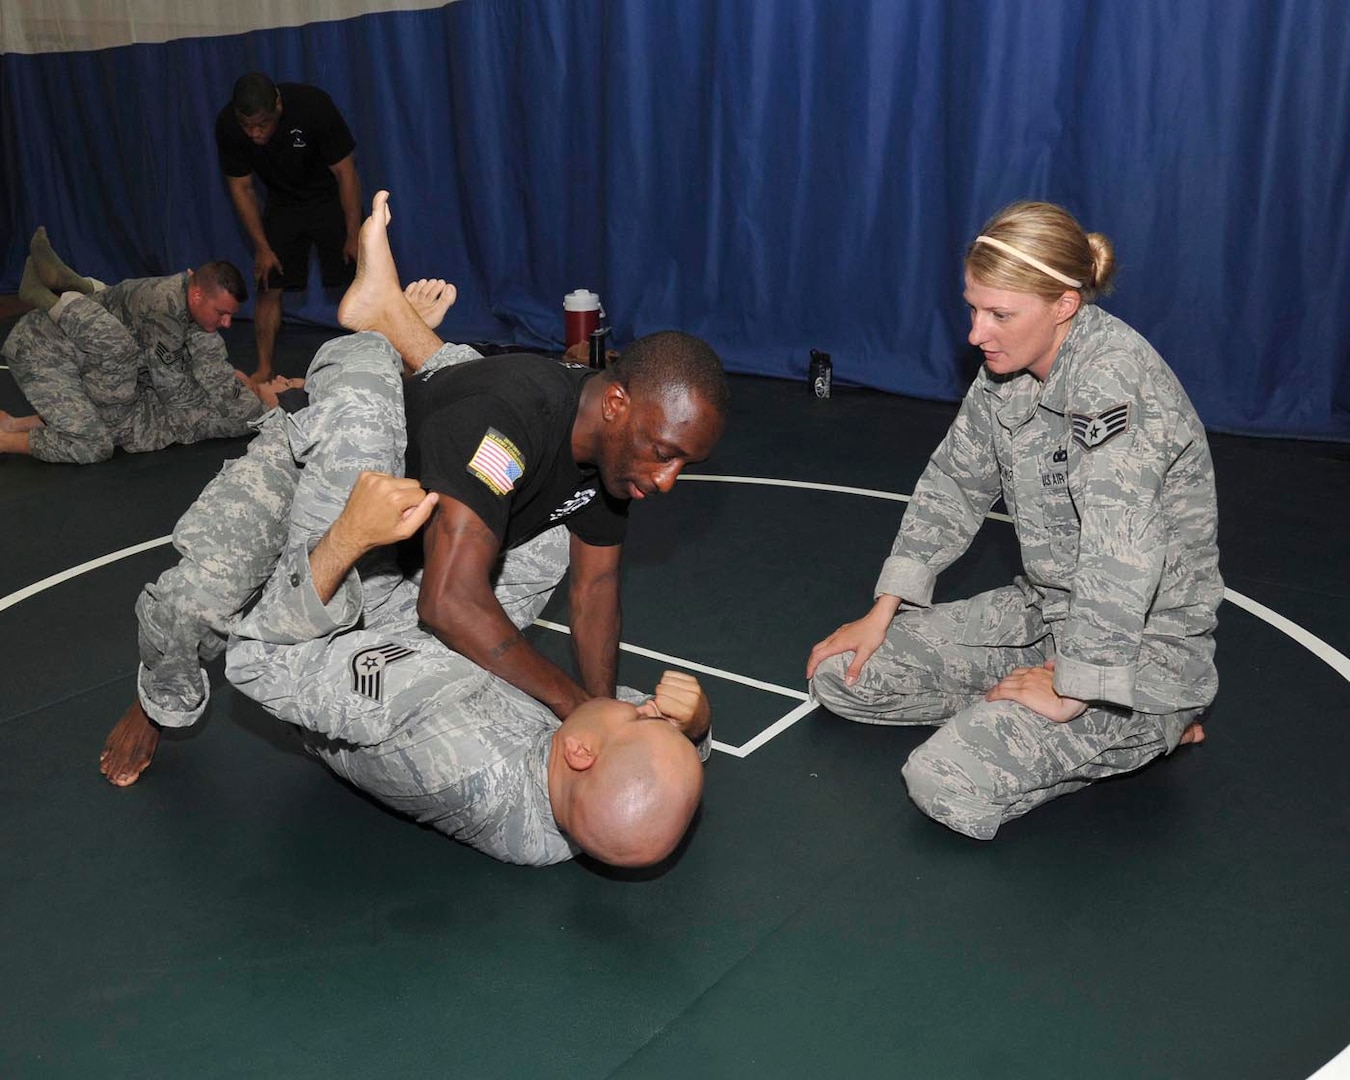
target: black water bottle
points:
(598, 347)
(820, 374)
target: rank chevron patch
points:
(368, 668)
(1090, 432)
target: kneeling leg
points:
(936, 661)
(996, 760)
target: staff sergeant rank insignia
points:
(164, 356)
(497, 462)
(1090, 432)
(368, 669)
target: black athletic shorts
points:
(293, 230)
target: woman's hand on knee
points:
(862, 637)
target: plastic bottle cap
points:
(581, 300)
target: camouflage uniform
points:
(1106, 473)
(231, 537)
(384, 704)
(391, 710)
(126, 367)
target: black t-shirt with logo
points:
(294, 164)
(496, 434)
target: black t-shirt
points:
(294, 164)
(496, 434)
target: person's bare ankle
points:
(367, 301)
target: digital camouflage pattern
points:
(1106, 473)
(126, 367)
(383, 703)
(388, 707)
(230, 539)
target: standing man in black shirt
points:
(293, 137)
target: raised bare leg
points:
(431, 298)
(55, 274)
(130, 747)
(375, 300)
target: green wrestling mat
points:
(240, 912)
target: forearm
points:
(951, 498)
(1119, 566)
(246, 205)
(596, 626)
(476, 627)
(290, 609)
(457, 604)
(226, 395)
(332, 560)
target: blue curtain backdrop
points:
(773, 175)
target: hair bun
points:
(1103, 261)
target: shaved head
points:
(633, 802)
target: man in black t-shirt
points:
(293, 137)
(515, 447)
(495, 434)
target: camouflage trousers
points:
(292, 482)
(355, 423)
(83, 376)
(992, 760)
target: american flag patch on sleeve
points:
(497, 462)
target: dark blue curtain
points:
(774, 175)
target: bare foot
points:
(375, 301)
(17, 424)
(376, 286)
(130, 747)
(1193, 735)
(431, 298)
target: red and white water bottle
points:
(581, 314)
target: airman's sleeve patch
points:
(1090, 432)
(368, 669)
